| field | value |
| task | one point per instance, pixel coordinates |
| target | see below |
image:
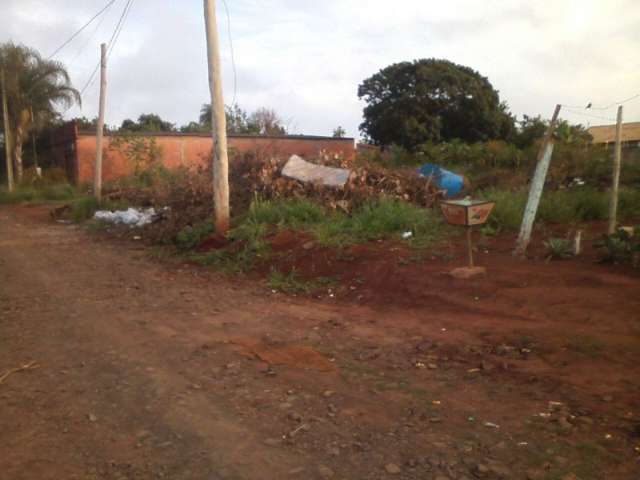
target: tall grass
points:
(560, 206)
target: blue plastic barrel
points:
(451, 182)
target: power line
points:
(84, 47)
(233, 58)
(606, 107)
(116, 33)
(583, 114)
(110, 44)
(70, 39)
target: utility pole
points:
(97, 179)
(7, 133)
(537, 185)
(218, 122)
(617, 165)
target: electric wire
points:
(86, 44)
(583, 114)
(606, 107)
(70, 39)
(110, 45)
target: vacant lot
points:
(147, 370)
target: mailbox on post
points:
(467, 213)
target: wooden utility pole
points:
(7, 133)
(537, 185)
(218, 122)
(97, 179)
(617, 165)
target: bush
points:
(83, 209)
(621, 247)
(558, 248)
(191, 236)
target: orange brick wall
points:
(194, 150)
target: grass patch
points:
(32, 194)
(386, 218)
(560, 206)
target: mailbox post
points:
(467, 213)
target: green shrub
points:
(83, 209)
(558, 248)
(193, 235)
(621, 247)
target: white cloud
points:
(306, 58)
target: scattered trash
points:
(471, 419)
(132, 216)
(491, 425)
(523, 444)
(451, 182)
(608, 436)
(299, 169)
(577, 182)
(436, 402)
(544, 415)
(406, 235)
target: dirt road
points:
(150, 371)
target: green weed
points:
(292, 283)
(558, 248)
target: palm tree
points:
(35, 87)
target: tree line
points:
(408, 104)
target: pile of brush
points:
(367, 181)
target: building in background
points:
(606, 135)
(125, 154)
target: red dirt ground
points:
(150, 370)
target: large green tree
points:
(410, 103)
(35, 87)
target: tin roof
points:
(607, 133)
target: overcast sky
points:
(305, 58)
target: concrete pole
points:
(7, 134)
(537, 185)
(218, 122)
(97, 179)
(617, 165)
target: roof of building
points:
(607, 133)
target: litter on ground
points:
(135, 217)
(304, 171)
